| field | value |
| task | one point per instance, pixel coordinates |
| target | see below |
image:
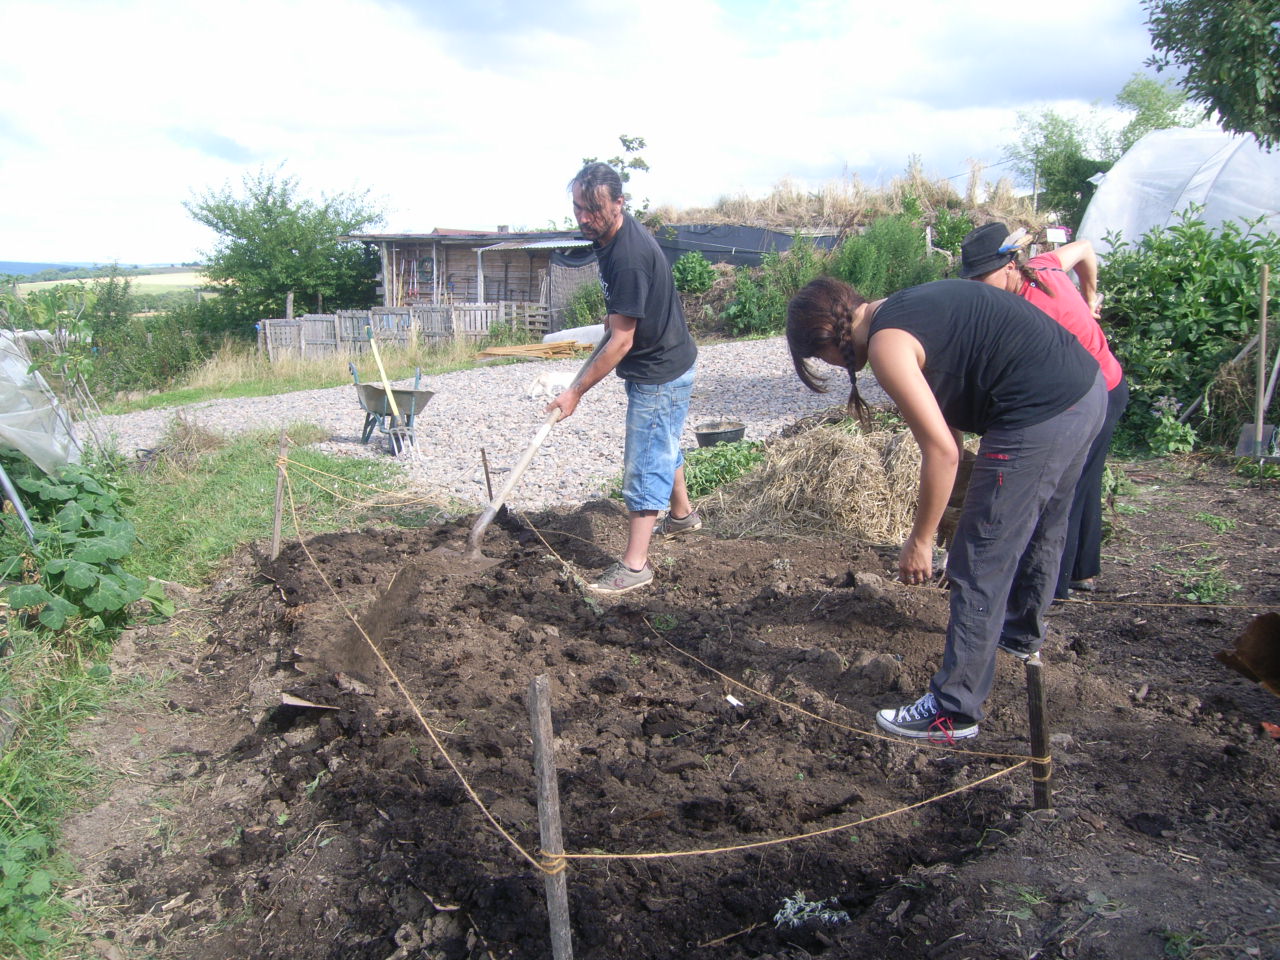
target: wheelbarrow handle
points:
(386, 384)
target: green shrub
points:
(949, 231)
(758, 305)
(1180, 303)
(693, 273)
(503, 334)
(707, 468)
(888, 256)
(132, 352)
(82, 538)
(25, 888)
(585, 306)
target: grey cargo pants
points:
(1003, 565)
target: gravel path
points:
(487, 407)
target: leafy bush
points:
(25, 887)
(1170, 435)
(707, 468)
(888, 256)
(74, 570)
(585, 306)
(693, 273)
(949, 231)
(759, 302)
(503, 334)
(132, 352)
(1181, 302)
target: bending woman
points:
(989, 254)
(958, 356)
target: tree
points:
(273, 242)
(1230, 52)
(624, 163)
(1056, 155)
(1155, 106)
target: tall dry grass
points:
(847, 203)
(241, 362)
(238, 369)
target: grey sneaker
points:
(620, 578)
(669, 526)
(923, 720)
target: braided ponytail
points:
(818, 317)
(1032, 276)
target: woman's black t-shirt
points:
(991, 358)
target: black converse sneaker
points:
(923, 720)
(1022, 653)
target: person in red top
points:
(990, 254)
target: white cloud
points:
(477, 114)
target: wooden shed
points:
(467, 266)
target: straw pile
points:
(831, 480)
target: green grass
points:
(160, 282)
(192, 508)
(191, 513)
(238, 371)
(51, 682)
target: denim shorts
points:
(655, 422)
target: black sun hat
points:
(988, 248)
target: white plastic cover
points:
(1229, 175)
(592, 333)
(31, 420)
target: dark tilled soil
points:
(243, 826)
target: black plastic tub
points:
(719, 431)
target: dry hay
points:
(185, 440)
(825, 481)
(844, 204)
(1230, 401)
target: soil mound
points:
(287, 802)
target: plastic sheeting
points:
(31, 420)
(1229, 175)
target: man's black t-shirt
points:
(991, 358)
(637, 283)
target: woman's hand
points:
(915, 561)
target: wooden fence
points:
(345, 331)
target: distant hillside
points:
(21, 268)
(54, 273)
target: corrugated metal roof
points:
(535, 245)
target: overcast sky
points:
(474, 113)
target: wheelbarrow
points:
(378, 414)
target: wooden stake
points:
(279, 517)
(1259, 406)
(488, 483)
(1041, 773)
(544, 767)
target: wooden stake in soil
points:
(544, 768)
(1260, 403)
(279, 517)
(1041, 773)
(488, 483)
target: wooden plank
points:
(544, 351)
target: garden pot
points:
(719, 431)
